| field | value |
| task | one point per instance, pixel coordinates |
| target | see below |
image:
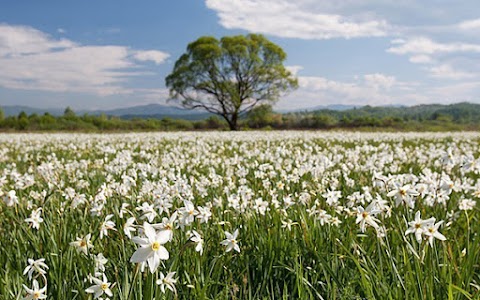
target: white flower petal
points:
(141, 255)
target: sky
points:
(116, 53)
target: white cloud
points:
(445, 59)
(293, 19)
(33, 60)
(371, 89)
(157, 57)
(457, 92)
(379, 81)
(376, 90)
(294, 69)
(421, 59)
(446, 71)
(470, 24)
(423, 45)
(20, 40)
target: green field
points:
(246, 215)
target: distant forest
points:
(460, 116)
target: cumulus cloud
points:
(294, 69)
(376, 90)
(421, 59)
(446, 71)
(293, 19)
(470, 24)
(33, 60)
(423, 45)
(379, 81)
(21, 40)
(434, 36)
(157, 57)
(371, 89)
(443, 58)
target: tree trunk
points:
(233, 123)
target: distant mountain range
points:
(149, 110)
(339, 107)
(162, 111)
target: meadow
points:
(244, 215)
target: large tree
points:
(230, 76)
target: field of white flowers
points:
(250, 215)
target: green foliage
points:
(69, 113)
(230, 76)
(461, 116)
(455, 117)
(260, 116)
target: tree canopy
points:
(230, 76)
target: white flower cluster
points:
(153, 191)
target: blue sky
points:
(115, 53)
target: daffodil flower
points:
(100, 287)
(231, 241)
(151, 249)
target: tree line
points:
(461, 116)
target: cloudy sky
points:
(116, 53)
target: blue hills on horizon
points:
(163, 111)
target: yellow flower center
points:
(418, 225)
(83, 243)
(403, 192)
(431, 230)
(36, 295)
(364, 214)
(104, 286)
(155, 246)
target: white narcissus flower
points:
(167, 282)
(365, 216)
(151, 249)
(35, 218)
(11, 198)
(467, 204)
(332, 197)
(35, 292)
(123, 210)
(204, 214)
(418, 226)
(231, 241)
(404, 194)
(197, 239)
(106, 226)
(83, 244)
(448, 158)
(148, 211)
(288, 224)
(187, 213)
(431, 232)
(100, 287)
(168, 224)
(128, 227)
(100, 262)
(35, 266)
